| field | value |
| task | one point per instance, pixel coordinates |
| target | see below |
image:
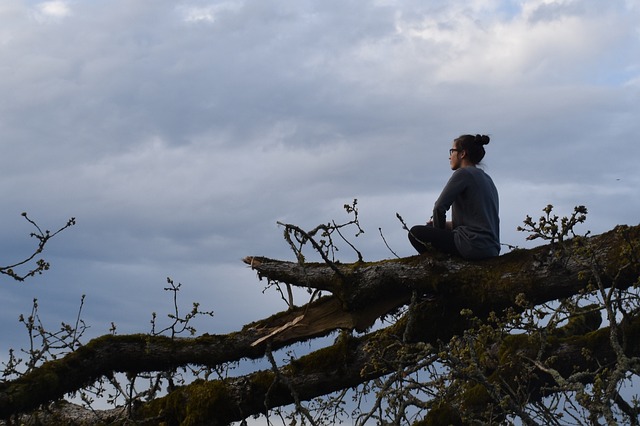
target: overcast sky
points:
(179, 132)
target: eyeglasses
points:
(452, 150)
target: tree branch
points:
(362, 293)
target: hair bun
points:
(482, 139)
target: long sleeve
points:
(454, 187)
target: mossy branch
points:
(370, 291)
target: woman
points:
(474, 230)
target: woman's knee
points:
(416, 232)
(418, 238)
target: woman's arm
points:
(456, 184)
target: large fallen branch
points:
(361, 293)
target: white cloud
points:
(51, 11)
(208, 13)
(476, 43)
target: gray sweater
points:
(473, 198)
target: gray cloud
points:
(178, 133)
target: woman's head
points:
(470, 147)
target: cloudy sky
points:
(179, 133)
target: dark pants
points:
(422, 236)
